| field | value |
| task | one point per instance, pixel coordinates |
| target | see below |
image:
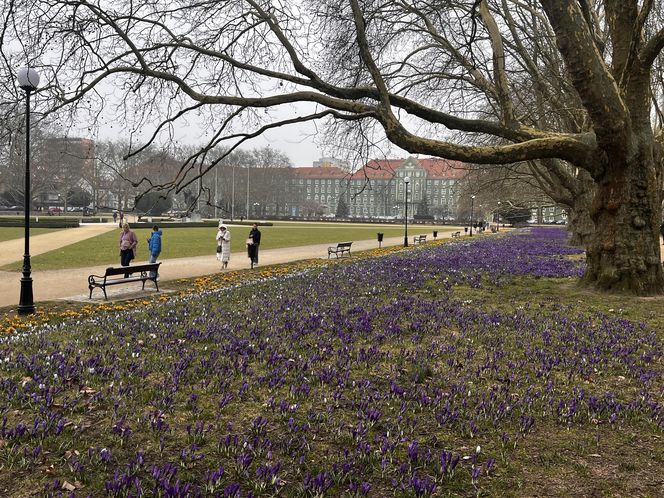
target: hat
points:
(221, 225)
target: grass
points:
(13, 233)
(189, 242)
(317, 381)
(352, 378)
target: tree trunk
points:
(624, 255)
(580, 223)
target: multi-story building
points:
(377, 190)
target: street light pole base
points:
(405, 241)
(26, 304)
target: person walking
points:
(253, 242)
(128, 243)
(154, 247)
(121, 219)
(115, 216)
(223, 245)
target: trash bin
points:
(380, 239)
(435, 234)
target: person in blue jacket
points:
(154, 246)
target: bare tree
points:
(416, 69)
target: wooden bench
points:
(456, 234)
(339, 249)
(138, 273)
(419, 239)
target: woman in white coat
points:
(223, 246)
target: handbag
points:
(218, 248)
(250, 241)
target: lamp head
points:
(406, 180)
(28, 79)
(472, 196)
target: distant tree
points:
(423, 208)
(79, 197)
(153, 203)
(312, 208)
(342, 208)
(515, 215)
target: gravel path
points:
(71, 284)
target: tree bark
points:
(624, 255)
(580, 223)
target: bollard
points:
(380, 239)
(435, 234)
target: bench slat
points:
(340, 248)
(98, 281)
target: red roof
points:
(436, 168)
(384, 169)
(443, 168)
(320, 172)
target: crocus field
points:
(434, 371)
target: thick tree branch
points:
(499, 75)
(590, 75)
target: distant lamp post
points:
(406, 181)
(28, 80)
(498, 218)
(256, 206)
(472, 202)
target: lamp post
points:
(28, 80)
(498, 218)
(256, 205)
(406, 181)
(472, 201)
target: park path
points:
(12, 250)
(71, 284)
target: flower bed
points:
(364, 378)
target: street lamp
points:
(498, 218)
(256, 205)
(472, 201)
(28, 80)
(405, 218)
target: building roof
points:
(320, 172)
(384, 169)
(443, 168)
(436, 168)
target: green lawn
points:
(11, 233)
(183, 242)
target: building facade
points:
(377, 190)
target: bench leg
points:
(104, 289)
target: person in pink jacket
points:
(128, 243)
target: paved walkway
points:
(71, 284)
(45, 242)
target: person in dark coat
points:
(253, 242)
